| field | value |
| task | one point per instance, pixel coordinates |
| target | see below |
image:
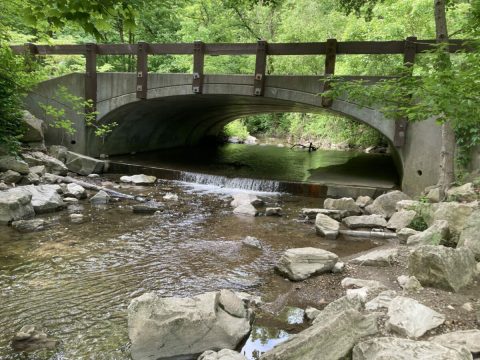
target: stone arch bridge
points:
(155, 111)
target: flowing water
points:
(76, 280)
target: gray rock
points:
(340, 305)
(338, 267)
(401, 219)
(53, 165)
(245, 210)
(225, 354)
(83, 165)
(409, 318)
(345, 204)
(456, 214)
(348, 283)
(470, 236)
(326, 226)
(140, 179)
(334, 214)
(51, 178)
(161, 328)
(383, 257)
(442, 267)
(365, 221)
(77, 218)
(245, 199)
(332, 336)
(404, 234)
(29, 338)
(301, 263)
(33, 128)
(465, 192)
(45, 198)
(382, 301)
(26, 226)
(76, 191)
(58, 152)
(409, 283)
(232, 304)
(30, 179)
(386, 204)
(13, 163)
(311, 313)
(100, 197)
(469, 339)
(3, 186)
(434, 195)
(273, 211)
(407, 205)
(252, 242)
(170, 197)
(15, 205)
(404, 349)
(436, 234)
(10, 177)
(147, 208)
(363, 201)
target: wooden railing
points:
(409, 47)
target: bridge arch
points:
(174, 116)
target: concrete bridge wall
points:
(173, 116)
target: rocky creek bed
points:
(118, 267)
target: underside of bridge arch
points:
(185, 120)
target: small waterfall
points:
(231, 183)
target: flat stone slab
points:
(469, 339)
(409, 318)
(140, 179)
(404, 349)
(326, 226)
(301, 263)
(401, 219)
(385, 257)
(365, 221)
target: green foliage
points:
(236, 128)
(419, 222)
(59, 118)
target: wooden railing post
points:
(142, 70)
(260, 68)
(198, 62)
(330, 59)
(91, 74)
(401, 125)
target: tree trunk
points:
(447, 154)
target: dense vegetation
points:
(130, 21)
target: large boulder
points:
(382, 257)
(183, 328)
(465, 192)
(76, 191)
(245, 198)
(470, 236)
(53, 166)
(8, 162)
(470, 339)
(326, 226)
(301, 263)
(365, 221)
(245, 210)
(456, 214)
(409, 318)
(83, 165)
(436, 234)
(401, 219)
(332, 336)
(33, 128)
(140, 179)
(59, 152)
(404, 349)
(385, 204)
(15, 205)
(45, 198)
(442, 267)
(345, 204)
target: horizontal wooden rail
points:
(312, 48)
